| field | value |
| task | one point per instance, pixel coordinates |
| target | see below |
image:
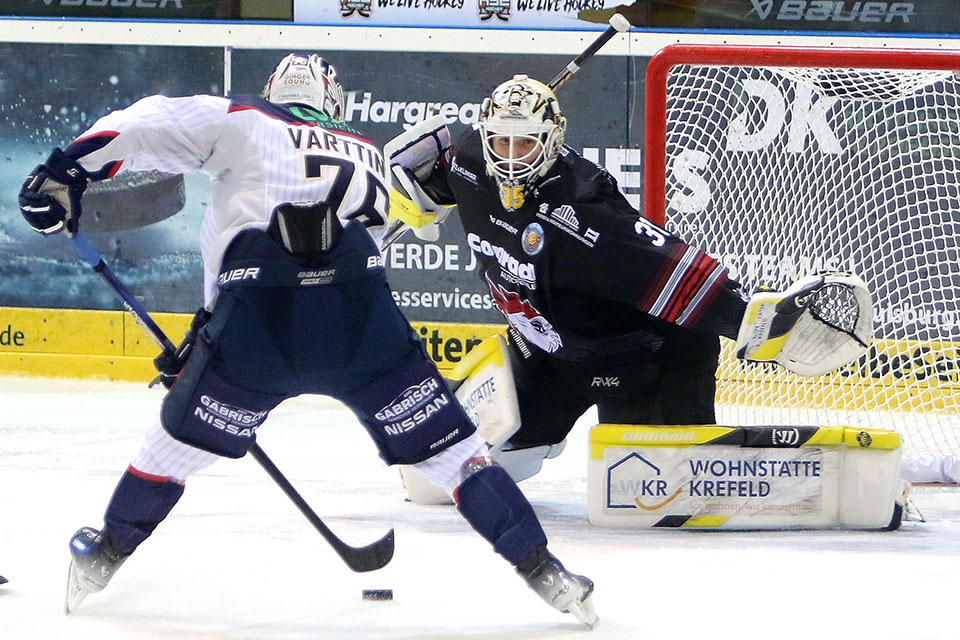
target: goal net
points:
(782, 162)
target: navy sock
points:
(496, 508)
(138, 505)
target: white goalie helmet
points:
(522, 131)
(306, 79)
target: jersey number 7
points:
(343, 196)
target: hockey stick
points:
(618, 24)
(373, 556)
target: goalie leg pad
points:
(526, 463)
(487, 390)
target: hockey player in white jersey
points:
(296, 302)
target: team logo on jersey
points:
(524, 318)
(532, 239)
(361, 7)
(490, 8)
(567, 216)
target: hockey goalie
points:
(603, 307)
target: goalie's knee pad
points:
(527, 462)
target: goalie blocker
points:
(764, 477)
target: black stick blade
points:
(375, 555)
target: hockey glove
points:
(50, 197)
(820, 323)
(410, 204)
(170, 364)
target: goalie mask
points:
(309, 80)
(522, 131)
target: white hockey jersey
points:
(258, 155)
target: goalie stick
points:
(618, 24)
(373, 556)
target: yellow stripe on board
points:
(705, 522)
(79, 343)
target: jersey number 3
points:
(339, 174)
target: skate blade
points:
(583, 610)
(75, 594)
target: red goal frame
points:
(658, 69)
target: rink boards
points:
(78, 343)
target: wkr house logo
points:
(637, 483)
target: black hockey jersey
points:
(576, 271)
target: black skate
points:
(564, 591)
(93, 562)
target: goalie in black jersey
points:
(603, 306)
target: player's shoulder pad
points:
(467, 153)
(587, 180)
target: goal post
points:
(784, 161)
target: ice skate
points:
(93, 562)
(564, 591)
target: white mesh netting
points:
(782, 172)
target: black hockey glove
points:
(50, 197)
(170, 364)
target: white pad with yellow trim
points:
(817, 325)
(411, 205)
(745, 477)
(483, 383)
(411, 156)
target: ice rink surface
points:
(235, 559)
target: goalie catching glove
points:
(50, 197)
(817, 325)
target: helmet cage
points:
(522, 131)
(527, 149)
(308, 80)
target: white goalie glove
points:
(820, 323)
(413, 207)
(411, 157)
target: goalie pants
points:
(272, 337)
(678, 387)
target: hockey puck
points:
(378, 594)
(3, 580)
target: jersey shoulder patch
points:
(292, 114)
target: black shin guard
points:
(496, 508)
(138, 505)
